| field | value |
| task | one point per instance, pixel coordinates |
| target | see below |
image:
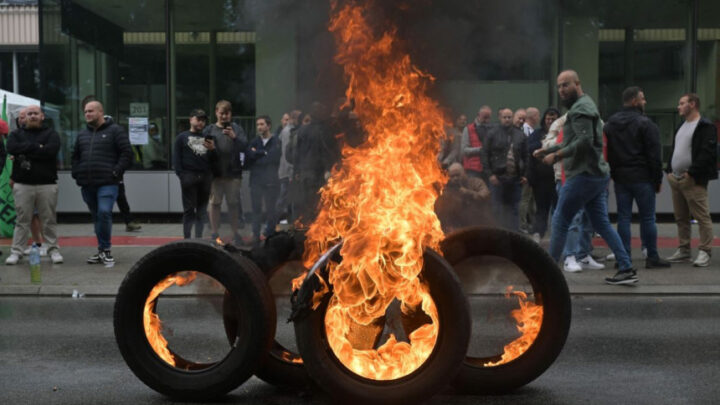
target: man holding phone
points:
(230, 143)
(194, 160)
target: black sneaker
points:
(94, 259)
(623, 277)
(656, 263)
(106, 257)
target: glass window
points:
(214, 53)
(649, 51)
(708, 50)
(114, 51)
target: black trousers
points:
(195, 189)
(123, 205)
(267, 194)
(545, 198)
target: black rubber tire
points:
(276, 369)
(550, 290)
(253, 302)
(437, 371)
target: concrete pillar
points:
(581, 51)
(275, 70)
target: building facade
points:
(157, 60)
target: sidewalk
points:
(78, 242)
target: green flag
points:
(7, 202)
(4, 109)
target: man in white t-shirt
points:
(692, 164)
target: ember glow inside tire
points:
(282, 367)
(249, 295)
(549, 290)
(434, 374)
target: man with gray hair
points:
(532, 120)
(473, 137)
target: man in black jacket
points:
(692, 164)
(505, 156)
(633, 152)
(101, 154)
(35, 148)
(263, 156)
(194, 158)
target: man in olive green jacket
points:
(587, 175)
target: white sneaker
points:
(644, 253)
(56, 257)
(588, 263)
(610, 257)
(702, 260)
(571, 265)
(536, 237)
(12, 259)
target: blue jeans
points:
(644, 196)
(579, 238)
(506, 202)
(589, 192)
(100, 200)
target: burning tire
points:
(249, 294)
(550, 291)
(432, 375)
(282, 367)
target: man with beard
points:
(505, 156)
(463, 202)
(587, 175)
(633, 151)
(692, 164)
(35, 148)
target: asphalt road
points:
(621, 350)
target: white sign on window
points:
(139, 109)
(138, 130)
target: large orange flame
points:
(380, 200)
(529, 319)
(151, 321)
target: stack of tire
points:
(250, 320)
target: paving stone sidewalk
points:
(78, 242)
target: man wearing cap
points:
(193, 159)
(35, 147)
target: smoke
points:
(450, 39)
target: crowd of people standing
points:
(559, 166)
(529, 172)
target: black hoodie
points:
(633, 148)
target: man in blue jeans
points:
(633, 145)
(101, 154)
(586, 173)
